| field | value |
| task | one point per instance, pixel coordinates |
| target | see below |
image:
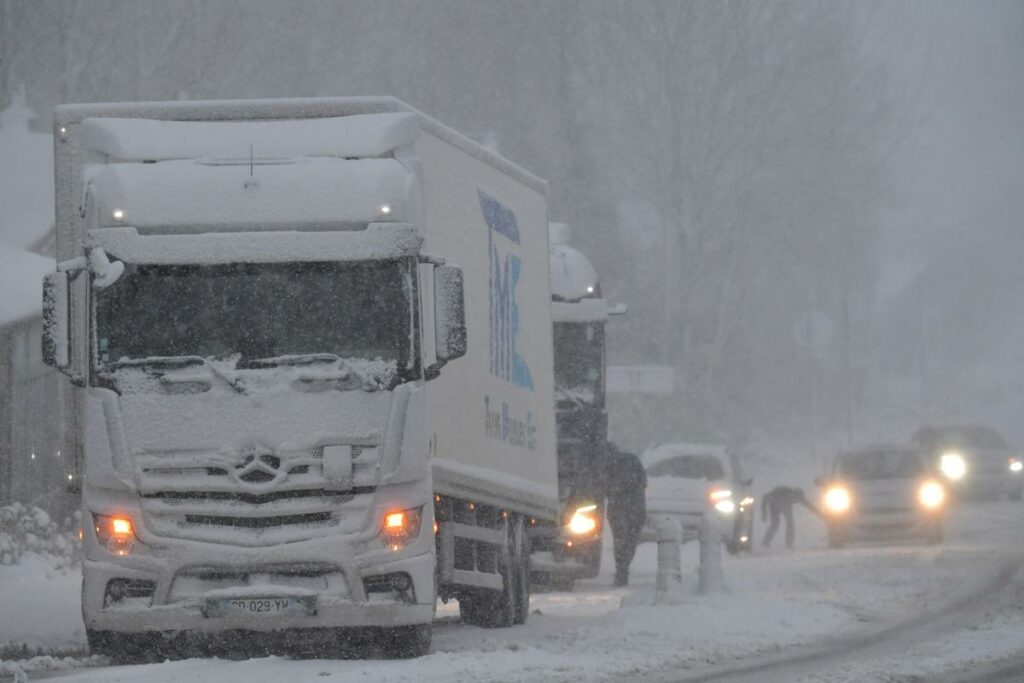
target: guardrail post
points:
(710, 555)
(668, 584)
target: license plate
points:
(258, 607)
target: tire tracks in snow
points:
(824, 657)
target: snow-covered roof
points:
(133, 139)
(584, 311)
(377, 241)
(21, 283)
(572, 275)
(26, 178)
(672, 450)
(283, 194)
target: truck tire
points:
(407, 642)
(494, 609)
(1016, 495)
(521, 569)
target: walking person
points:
(627, 507)
(777, 504)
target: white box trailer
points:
(313, 345)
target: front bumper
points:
(885, 526)
(172, 607)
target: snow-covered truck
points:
(572, 549)
(314, 350)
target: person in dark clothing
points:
(779, 503)
(627, 507)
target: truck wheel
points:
(1016, 495)
(521, 569)
(494, 609)
(407, 642)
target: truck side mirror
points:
(449, 313)
(56, 322)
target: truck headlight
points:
(931, 495)
(953, 466)
(583, 521)
(401, 527)
(725, 506)
(1016, 465)
(837, 500)
(115, 533)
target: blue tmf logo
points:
(505, 272)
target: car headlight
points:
(1016, 465)
(725, 506)
(931, 495)
(837, 499)
(953, 466)
(583, 521)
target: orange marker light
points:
(121, 526)
(395, 520)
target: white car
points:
(883, 492)
(686, 481)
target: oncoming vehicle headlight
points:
(583, 520)
(837, 499)
(931, 495)
(1016, 465)
(721, 500)
(953, 466)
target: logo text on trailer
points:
(505, 274)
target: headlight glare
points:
(837, 499)
(953, 466)
(931, 495)
(725, 506)
(1016, 465)
(583, 520)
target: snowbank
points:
(26, 181)
(21, 282)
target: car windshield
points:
(881, 465)
(971, 437)
(579, 361)
(689, 467)
(257, 311)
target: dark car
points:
(975, 461)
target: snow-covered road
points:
(825, 607)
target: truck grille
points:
(198, 496)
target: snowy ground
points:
(775, 603)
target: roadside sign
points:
(641, 379)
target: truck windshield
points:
(257, 311)
(579, 362)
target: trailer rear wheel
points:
(521, 569)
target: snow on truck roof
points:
(288, 193)
(364, 135)
(21, 283)
(285, 111)
(673, 450)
